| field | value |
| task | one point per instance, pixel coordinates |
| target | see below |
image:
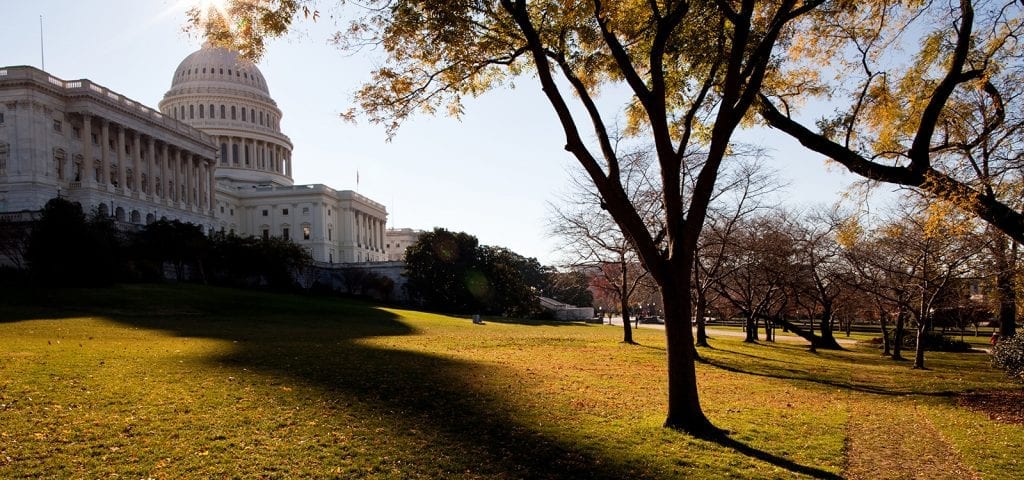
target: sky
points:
(491, 173)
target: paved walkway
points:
(780, 336)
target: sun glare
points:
(208, 8)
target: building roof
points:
(219, 67)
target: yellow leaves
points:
(849, 232)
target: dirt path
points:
(898, 441)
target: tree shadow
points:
(723, 439)
(332, 349)
(801, 375)
(331, 346)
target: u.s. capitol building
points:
(213, 155)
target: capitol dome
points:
(219, 92)
(214, 65)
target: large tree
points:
(925, 94)
(692, 72)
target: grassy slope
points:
(185, 381)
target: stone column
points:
(105, 152)
(213, 190)
(201, 184)
(289, 166)
(163, 169)
(178, 160)
(89, 164)
(150, 160)
(137, 162)
(120, 157)
(189, 159)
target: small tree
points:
(1008, 355)
(66, 249)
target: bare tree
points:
(590, 239)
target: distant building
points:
(399, 239)
(214, 155)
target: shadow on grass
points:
(775, 371)
(324, 342)
(722, 438)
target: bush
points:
(1008, 355)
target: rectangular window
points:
(266, 212)
(76, 132)
(284, 211)
(284, 233)
(58, 126)
(305, 233)
(95, 139)
(305, 210)
(329, 236)
(232, 212)
(1, 118)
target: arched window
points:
(136, 217)
(201, 109)
(222, 110)
(243, 114)
(252, 115)
(212, 114)
(232, 108)
(223, 153)
(191, 111)
(119, 214)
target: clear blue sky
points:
(489, 174)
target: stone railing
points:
(90, 89)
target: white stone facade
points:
(214, 156)
(93, 146)
(399, 239)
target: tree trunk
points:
(627, 329)
(702, 333)
(897, 341)
(886, 346)
(1004, 287)
(922, 330)
(769, 335)
(827, 340)
(751, 328)
(684, 412)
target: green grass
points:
(198, 382)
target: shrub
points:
(1008, 355)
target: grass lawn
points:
(198, 382)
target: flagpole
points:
(42, 54)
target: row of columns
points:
(369, 231)
(264, 156)
(177, 167)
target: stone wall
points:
(358, 279)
